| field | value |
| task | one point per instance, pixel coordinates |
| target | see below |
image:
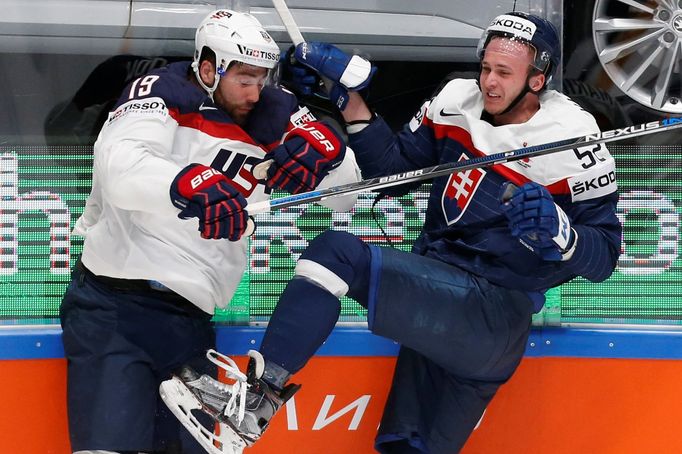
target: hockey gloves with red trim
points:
(347, 72)
(305, 157)
(202, 192)
(539, 223)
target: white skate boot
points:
(242, 409)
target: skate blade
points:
(181, 401)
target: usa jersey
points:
(464, 225)
(162, 123)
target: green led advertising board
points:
(43, 191)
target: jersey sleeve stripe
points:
(462, 136)
(216, 129)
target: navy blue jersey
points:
(464, 225)
(266, 124)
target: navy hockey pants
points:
(120, 343)
(461, 336)
(461, 339)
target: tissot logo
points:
(139, 107)
(256, 53)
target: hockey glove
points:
(202, 192)
(299, 78)
(539, 223)
(305, 157)
(347, 72)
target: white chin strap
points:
(209, 90)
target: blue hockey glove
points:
(346, 72)
(539, 223)
(202, 192)
(299, 78)
(305, 157)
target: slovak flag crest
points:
(459, 191)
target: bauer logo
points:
(322, 139)
(136, 108)
(402, 176)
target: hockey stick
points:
(293, 31)
(260, 171)
(460, 166)
(288, 21)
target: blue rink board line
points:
(45, 343)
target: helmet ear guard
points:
(233, 36)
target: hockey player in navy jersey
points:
(493, 241)
(165, 226)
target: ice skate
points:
(242, 409)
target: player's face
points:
(504, 71)
(239, 90)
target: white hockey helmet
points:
(233, 36)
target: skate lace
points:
(237, 391)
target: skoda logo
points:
(677, 24)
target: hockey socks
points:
(303, 319)
(335, 264)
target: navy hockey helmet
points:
(535, 31)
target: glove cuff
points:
(357, 73)
(570, 248)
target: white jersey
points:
(164, 123)
(464, 224)
(458, 107)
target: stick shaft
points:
(428, 173)
(288, 21)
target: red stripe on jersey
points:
(560, 187)
(272, 146)
(463, 137)
(217, 129)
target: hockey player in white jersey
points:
(165, 226)
(493, 241)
